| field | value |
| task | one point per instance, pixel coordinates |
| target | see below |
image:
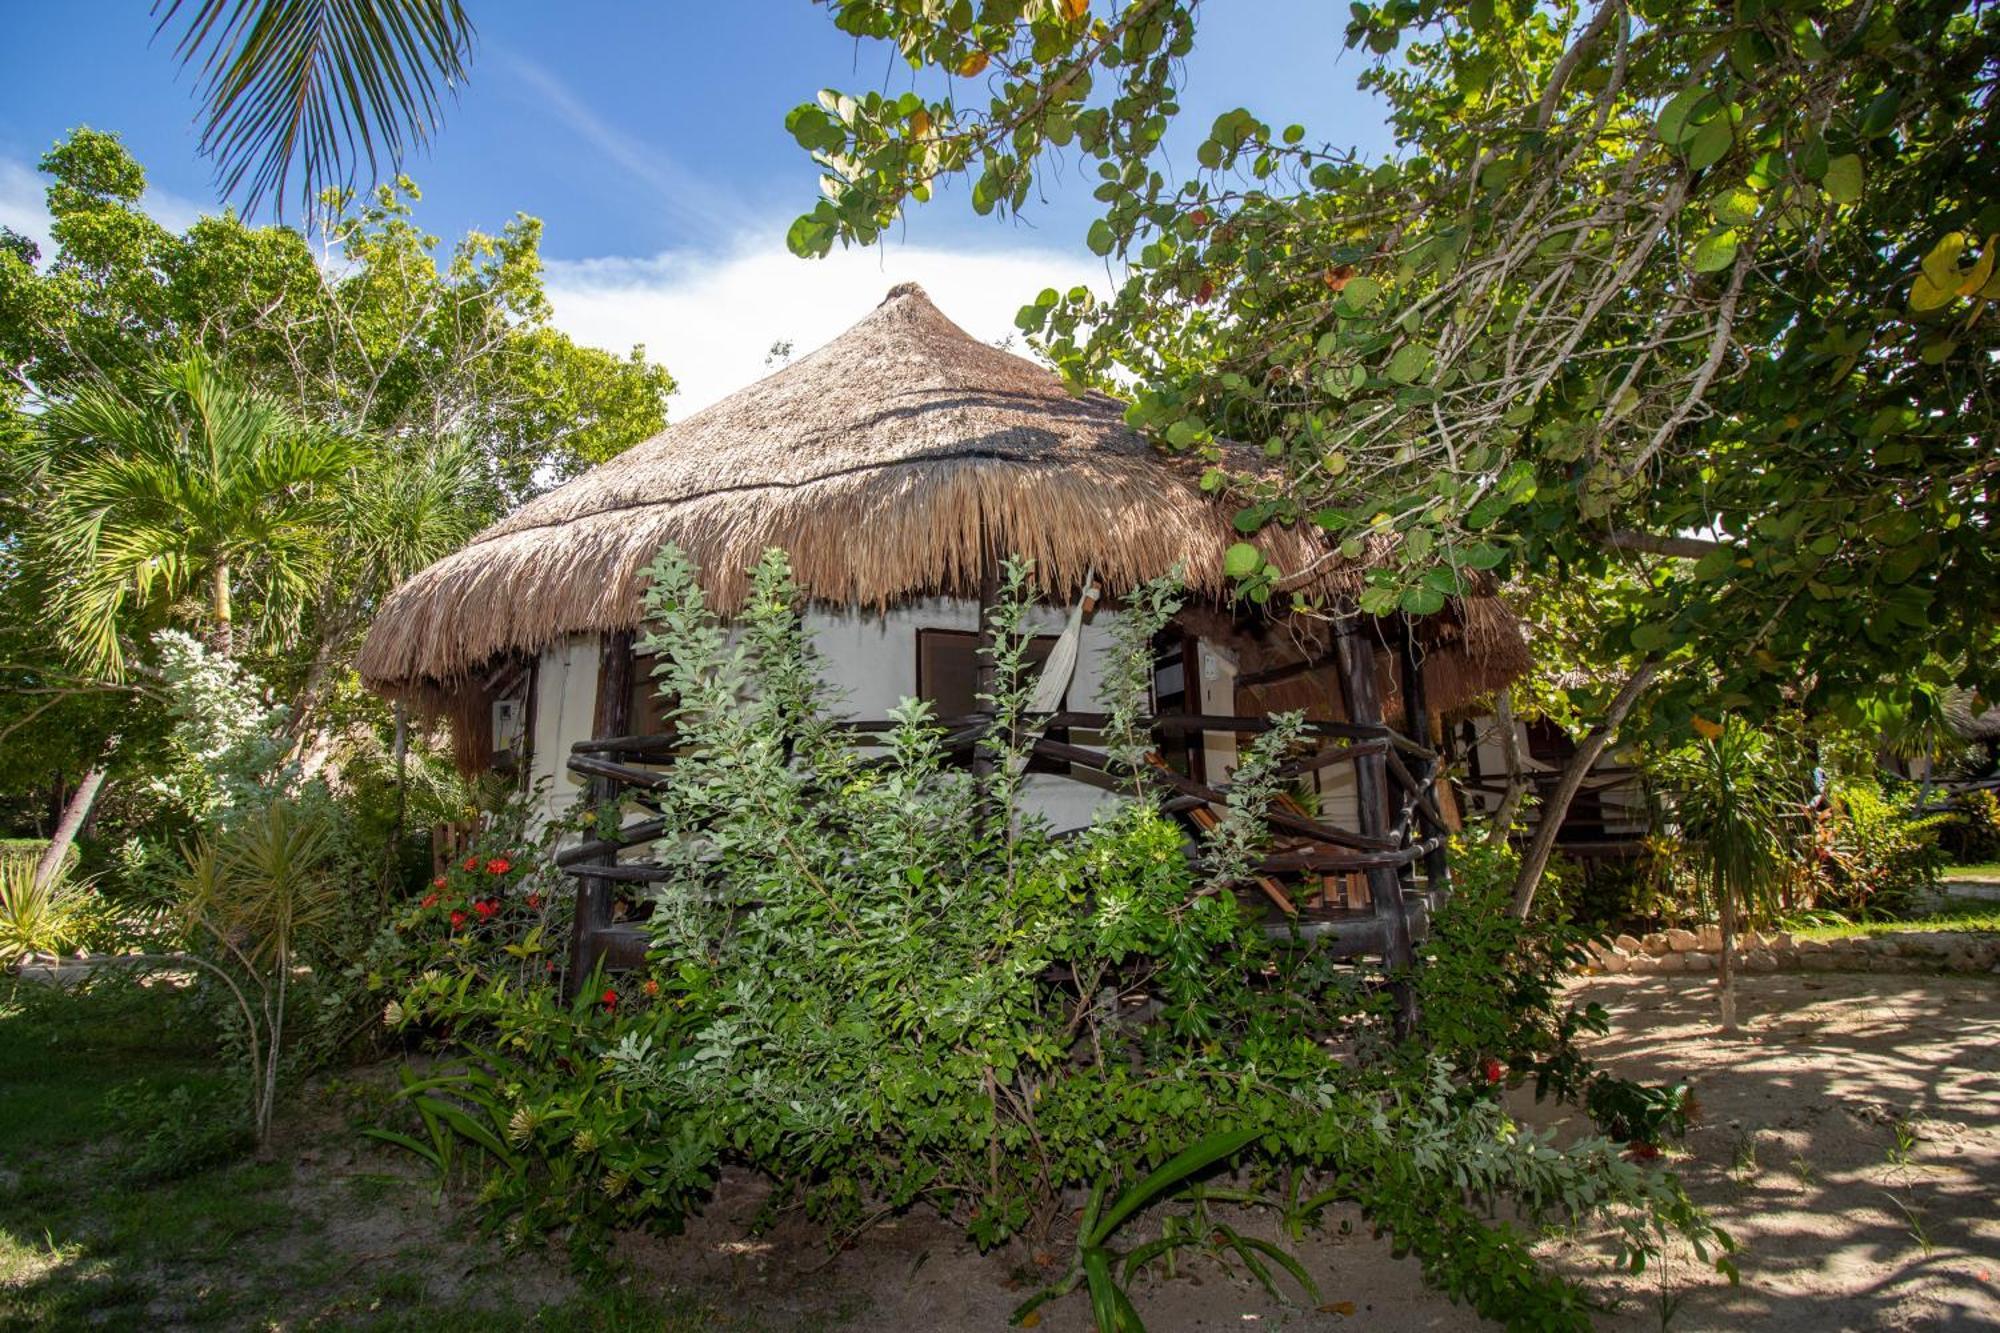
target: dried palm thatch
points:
(893, 462)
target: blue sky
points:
(650, 140)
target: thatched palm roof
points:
(1968, 720)
(890, 463)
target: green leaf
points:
(1197, 1157)
(1409, 363)
(1423, 601)
(1843, 179)
(1881, 113)
(1674, 127)
(1711, 144)
(1650, 637)
(1100, 238)
(1242, 560)
(1715, 251)
(1359, 293)
(1716, 564)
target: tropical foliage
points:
(1637, 272)
(215, 430)
(878, 978)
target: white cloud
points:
(21, 206)
(24, 207)
(678, 193)
(711, 319)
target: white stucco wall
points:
(565, 702)
(870, 662)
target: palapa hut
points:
(897, 465)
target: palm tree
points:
(187, 482)
(325, 82)
(1727, 799)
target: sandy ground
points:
(1849, 1140)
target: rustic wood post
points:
(1417, 726)
(1354, 655)
(612, 716)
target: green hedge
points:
(29, 850)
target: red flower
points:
(609, 999)
(472, 863)
(651, 987)
(430, 900)
(534, 900)
(457, 920)
(499, 865)
(438, 883)
(486, 907)
(1492, 1070)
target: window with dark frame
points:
(948, 679)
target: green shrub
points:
(874, 978)
(1876, 857)
(1971, 834)
(29, 852)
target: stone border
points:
(1697, 950)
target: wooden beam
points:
(628, 836)
(1166, 777)
(1355, 655)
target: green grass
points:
(1981, 872)
(87, 1240)
(1966, 914)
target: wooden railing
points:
(629, 769)
(1400, 824)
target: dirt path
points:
(1850, 1141)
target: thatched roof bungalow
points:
(897, 465)
(891, 464)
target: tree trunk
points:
(73, 816)
(1726, 965)
(222, 637)
(1517, 775)
(1549, 825)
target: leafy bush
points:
(1971, 833)
(498, 913)
(1876, 856)
(877, 979)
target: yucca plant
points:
(36, 917)
(1728, 797)
(255, 889)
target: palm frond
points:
(316, 85)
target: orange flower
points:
(651, 987)
(472, 863)
(499, 865)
